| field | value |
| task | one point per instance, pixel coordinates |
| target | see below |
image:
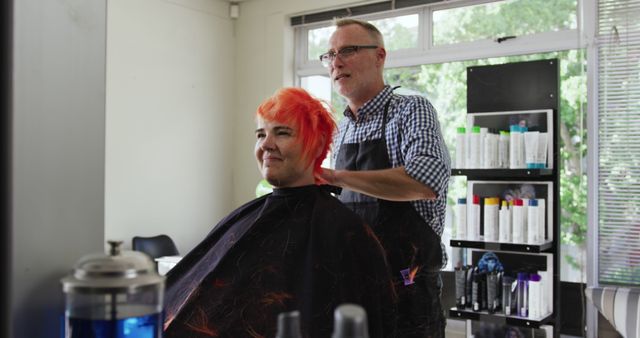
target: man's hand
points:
(328, 176)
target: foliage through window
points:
(501, 19)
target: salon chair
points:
(156, 246)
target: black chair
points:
(157, 246)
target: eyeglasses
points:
(344, 52)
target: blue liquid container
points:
(118, 295)
(135, 327)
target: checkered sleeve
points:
(425, 155)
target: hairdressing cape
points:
(295, 249)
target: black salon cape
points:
(295, 249)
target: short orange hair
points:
(295, 106)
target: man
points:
(391, 160)
(298, 248)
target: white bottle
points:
(473, 220)
(486, 152)
(522, 160)
(535, 296)
(474, 148)
(491, 219)
(461, 218)
(531, 149)
(483, 137)
(546, 299)
(525, 219)
(491, 151)
(514, 146)
(533, 228)
(542, 221)
(542, 151)
(461, 148)
(504, 223)
(516, 223)
(503, 149)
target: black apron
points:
(411, 245)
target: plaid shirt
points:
(414, 140)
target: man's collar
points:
(371, 106)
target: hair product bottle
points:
(503, 149)
(491, 219)
(461, 148)
(504, 223)
(535, 294)
(492, 292)
(533, 228)
(507, 283)
(461, 293)
(517, 222)
(523, 294)
(461, 218)
(474, 148)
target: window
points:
(502, 19)
(318, 40)
(618, 204)
(435, 70)
(400, 32)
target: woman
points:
(297, 248)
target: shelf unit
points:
(534, 323)
(504, 174)
(494, 93)
(498, 246)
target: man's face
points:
(279, 155)
(354, 76)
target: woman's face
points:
(279, 155)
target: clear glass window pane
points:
(318, 85)
(400, 32)
(318, 41)
(445, 86)
(504, 18)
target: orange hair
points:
(295, 106)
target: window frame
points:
(426, 53)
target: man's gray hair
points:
(371, 29)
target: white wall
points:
(169, 117)
(57, 160)
(265, 63)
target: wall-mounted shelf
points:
(500, 318)
(497, 246)
(507, 174)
